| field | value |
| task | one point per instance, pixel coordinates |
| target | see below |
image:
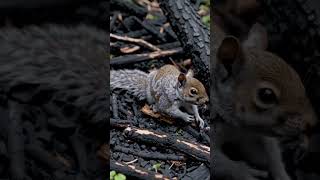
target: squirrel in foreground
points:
(166, 89)
(262, 104)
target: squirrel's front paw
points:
(200, 121)
(188, 118)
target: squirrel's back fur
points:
(134, 81)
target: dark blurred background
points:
(26, 12)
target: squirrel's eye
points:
(193, 91)
(266, 96)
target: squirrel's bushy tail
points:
(134, 81)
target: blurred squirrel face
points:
(274, 97)
(259, 90)
(193, 90)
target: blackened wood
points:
(195, 150)
(136, 172)
(150, 155)
(119, 123)
(45, 157)
(129, 6)
(79, 148)
(192, 33)
(155, 31)
(136, 34)
(127, 59)
(16, 142)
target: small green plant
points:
(204, 8)
(204, 11)
(207, 3)
(156, 167)
(151, 17)
(206, 20)
(179, 132)
(117, 176)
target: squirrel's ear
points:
(182, 79)
(257, 38)
(190, 73)
(229, 50)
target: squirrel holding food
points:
(166, 89)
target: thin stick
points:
(130, 162)
(126, 59)
(140, 42)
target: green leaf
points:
(206, 20)
(112, 174)
(204, 8)
(156, 166)
(151, 17)
(207, 2)
(120, 176)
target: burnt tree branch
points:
(195, 150)
(149, 155)
(136, 172)
(192, 33)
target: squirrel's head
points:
(191, 89)
(258, 89)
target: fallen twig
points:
(143, 57)
(128, 50)
(140, 42)
(119, 123)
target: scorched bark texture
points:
(192, 33)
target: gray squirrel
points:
(166, 89)
(262, 103)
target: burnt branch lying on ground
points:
(195, 150)
(148, 155)
(136, 172)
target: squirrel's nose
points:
(204, 101)
(207, 100)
